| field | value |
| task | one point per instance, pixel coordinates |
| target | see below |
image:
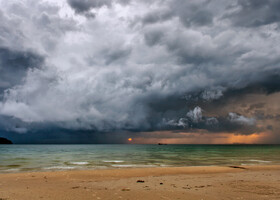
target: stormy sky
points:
(175, 71)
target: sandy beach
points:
(249, 182)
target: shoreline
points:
(156, 169)
(149, 168)
(200, 182)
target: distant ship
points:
(161, 144)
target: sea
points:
(29, 158)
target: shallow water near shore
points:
(21, 158)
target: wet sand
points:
(207, 183)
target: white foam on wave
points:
(123, 165)
(59, 167)
(163, 165)
(113, 161)
(11, 170)
(133, 166)
(79, 163)
(261, 161)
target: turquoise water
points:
(17, 158)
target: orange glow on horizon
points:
(248, 139)
(129, 139)
(200, 138)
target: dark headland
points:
(5, 141)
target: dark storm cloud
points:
(138, 66)
(267, 85)
(82, 6)
(193, 13)
(61, 136)
(253, 13)
(85, 6)
(190, 13)
(157, 16)
(14, 65)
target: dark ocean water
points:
(16, 158)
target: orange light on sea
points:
(129, 139)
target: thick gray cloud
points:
(136, 66)
(194, 119)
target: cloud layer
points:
(119, 65)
